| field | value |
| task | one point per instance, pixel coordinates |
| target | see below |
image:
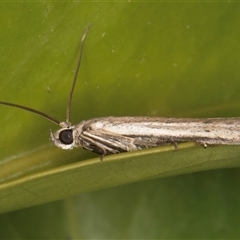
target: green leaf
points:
(157, 59)
(116, 170)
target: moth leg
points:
(105, 143)
(94, 146)
(203, 144)
(103, 155)
(175, 145)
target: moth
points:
(110, 135)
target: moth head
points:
(64, 138)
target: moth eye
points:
(66, 136)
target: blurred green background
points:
(171, 59)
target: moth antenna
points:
(50, 118)
(76, 75)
